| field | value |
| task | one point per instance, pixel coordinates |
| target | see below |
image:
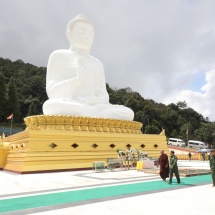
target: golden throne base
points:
(54, 143)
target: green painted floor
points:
(21, 203)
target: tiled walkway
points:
(87, 192)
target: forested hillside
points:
(22, 92)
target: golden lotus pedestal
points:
(4, 148)
(54, 143)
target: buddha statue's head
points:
(80, 33)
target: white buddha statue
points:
(75, 81)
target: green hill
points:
(22, 92)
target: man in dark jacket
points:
(212, 165)
(173, 168)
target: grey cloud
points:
(154, 47)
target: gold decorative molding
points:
(76, 123)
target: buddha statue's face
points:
(81, 36)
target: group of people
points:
(169, 166)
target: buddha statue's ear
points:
(69, 37)
(68, 34)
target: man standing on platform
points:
(212, 165)
(173, 167)
(163, 162)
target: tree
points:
(181, 104)
(139, 116)
(13, 101)
(152, 129)
(34, 108)
(2, 96)
(209, 134)
(200, 132)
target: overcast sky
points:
(163, 49)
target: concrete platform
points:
(110, 192)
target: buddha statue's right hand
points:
(82, 68)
